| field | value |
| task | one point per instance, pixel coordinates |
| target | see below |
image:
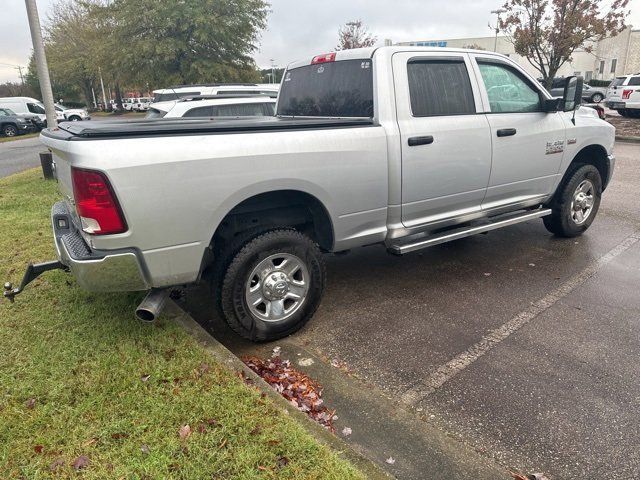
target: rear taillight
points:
(96, 203)
(324, 58)
(626, 94)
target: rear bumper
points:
(95, 270)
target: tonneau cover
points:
(87, 130)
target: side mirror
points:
(572, 97)
(551, 105)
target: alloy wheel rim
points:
(10, 132)
(277, 287)
(582, 202)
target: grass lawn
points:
(82, 382)
(19, 137)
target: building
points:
(609, 58)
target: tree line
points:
(145, 44)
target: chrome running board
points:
(431, 240)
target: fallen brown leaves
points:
(303, 392)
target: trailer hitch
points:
(33, 272)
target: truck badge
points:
(555, 147)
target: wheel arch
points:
(596, 155)
(259, 209)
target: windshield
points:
(333, 89)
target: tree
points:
(547, 32)
(354, 35)
(184, 42)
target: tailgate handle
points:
(507, 132)
(415, 141)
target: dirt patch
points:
(625, 127)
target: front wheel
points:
(273, 285)
(576, 203)
(9, 131)
(74, 118)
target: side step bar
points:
(430, 241)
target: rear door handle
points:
(415, 141)
(507, 132)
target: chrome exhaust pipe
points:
(150, 308)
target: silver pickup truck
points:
(408, 147)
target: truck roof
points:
(363, 53)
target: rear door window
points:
(440, 87)
(240, 110)
(199, 112)
(332, 89)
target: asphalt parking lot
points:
(520, 346)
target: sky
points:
(304, 28)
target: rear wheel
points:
(273, 285)
(9, 130)
(597, 98)
(576, 203)
(74, 118)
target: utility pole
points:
(497, 12)
(273, 71)
(19, 68)
(41, 63)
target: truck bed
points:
(164, 127)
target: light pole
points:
(41, 63)
(497, 12)
(273, 71)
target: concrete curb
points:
(370, 469)
(622, 138)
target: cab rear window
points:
(332, 89)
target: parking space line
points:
(447, 371)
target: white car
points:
(623, 95)
(66, 114)
(181, 91)
(215, 106)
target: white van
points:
(28, 105)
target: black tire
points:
(561, 222)
(74, 118)
(237, 313)
(596, 98)
(9, 130)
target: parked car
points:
(72, 114)
(589, 94)
(28, 106)
(215, 106)
(142, 104)
(182, 91)
(623, 95)
(407, 147)
(12, 124)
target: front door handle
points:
(507, 132)
(415, 141)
